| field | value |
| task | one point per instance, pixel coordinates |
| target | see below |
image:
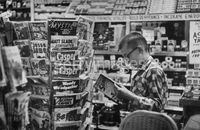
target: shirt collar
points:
(146, 63)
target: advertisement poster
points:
(194, 49)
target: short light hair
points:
(134, 40)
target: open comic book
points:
(107, 86)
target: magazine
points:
(40, 66)
(17, 109)
(21, 30)
(38, 30)
(107, 86)
(13, 66)
(24, 47)
(2, 72)
(27, 65)
(39, 48)
(40, 120)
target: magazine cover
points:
(85, 49)
(64, 42)
(17, 109)
(21, 30)
(39, 87)
(40, 66)
(13, 66)
(63, 27)
(39, 48)
(26, 65)
(107, 86)
(2, 72)
(39, 120)
(73, 125)
(24, 47)
(38, 30)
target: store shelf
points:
(175, 70)
(106, 52)
(103, 127)
(173, 108)
(169, 53)
(178, 88)
(39, 97)
(148, 17)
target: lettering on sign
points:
(64, 101)
(63, 27)
(65, 85)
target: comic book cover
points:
(2, 72)
(38, 30)
(39, 120)
(21, 30)
(24, 47)
(40, 66)
(27, 66)
(107, 86)
(39, 48)
(17, 109)
(13, 66)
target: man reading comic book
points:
(149, 85)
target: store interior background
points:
(171, 28)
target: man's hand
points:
(123, 92)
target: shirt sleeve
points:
(157, 87)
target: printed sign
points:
(67, 57)
(75, 100)
(194, 49)
(64, 85)
(67, 28)
(64, 42)
(63, 115)
(38, 30)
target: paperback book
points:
(13, 66)
(2, 72)
(24, 47)
(17, 109)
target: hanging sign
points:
(194, 51)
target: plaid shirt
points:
(150, 82)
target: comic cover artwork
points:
(21, 30)
(24, 47)
(38, 30)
